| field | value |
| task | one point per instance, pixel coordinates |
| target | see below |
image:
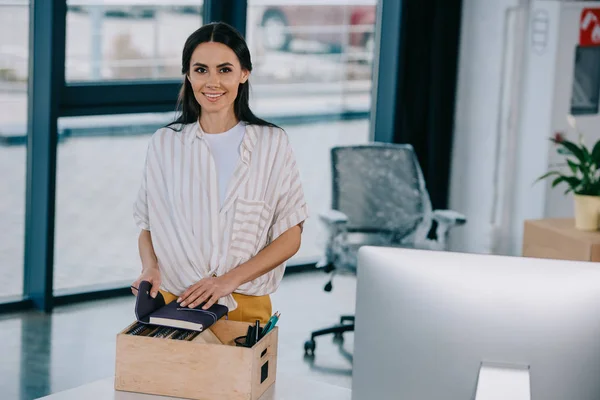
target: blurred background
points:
(476, 87)
(312, 72)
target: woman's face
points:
(215, 73)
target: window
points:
(99, 170)
(312, 76)
(14, 54)
(128, 40)
(314, 81)
(100, 158)
(11, 335)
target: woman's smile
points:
(213, 96)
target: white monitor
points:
(427, 321)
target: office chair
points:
(379, 198)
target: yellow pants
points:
(249, 309)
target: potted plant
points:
(582, 177)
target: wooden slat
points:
(182, 369)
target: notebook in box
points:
(154, 311)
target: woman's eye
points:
(201, 70)
(225, 70)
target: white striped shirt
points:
(193, 236)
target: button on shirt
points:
(193, 234)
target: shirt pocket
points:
(250, 227)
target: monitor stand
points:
(503, 382)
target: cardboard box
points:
(208, 367)
(558, 239)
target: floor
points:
(43, 354)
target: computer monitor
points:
(427, 320)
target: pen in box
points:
(271, 324)
(256, 331)
(248, 340)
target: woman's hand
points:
(208, 290)
(150, 274)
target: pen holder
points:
(240, 341)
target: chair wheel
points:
(328, 287)
(309, 347)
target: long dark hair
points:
(187, 105)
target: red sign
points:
(589, 27)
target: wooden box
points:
(558, 239)
(198, 369)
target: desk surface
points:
(285, 387)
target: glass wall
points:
(99, 170)
(14, 54)
(312, 71)
(125, 40)
(312, 76)
(12, 345)
(100, 158)
(309, 82)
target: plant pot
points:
(587, 212)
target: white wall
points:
(532, 144)
(557, 204)
(514, 92)
(472, 188)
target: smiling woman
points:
(216, 65)
(221, 206)
(215, 86)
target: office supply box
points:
(206, 367)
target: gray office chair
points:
(379, 198)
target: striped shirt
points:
(192, 234)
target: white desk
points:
(285, 388)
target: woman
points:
(221, 206)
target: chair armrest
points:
(449, 218)
(333, 217)
(336, 223)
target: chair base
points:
(346, 325)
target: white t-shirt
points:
(225, 149)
